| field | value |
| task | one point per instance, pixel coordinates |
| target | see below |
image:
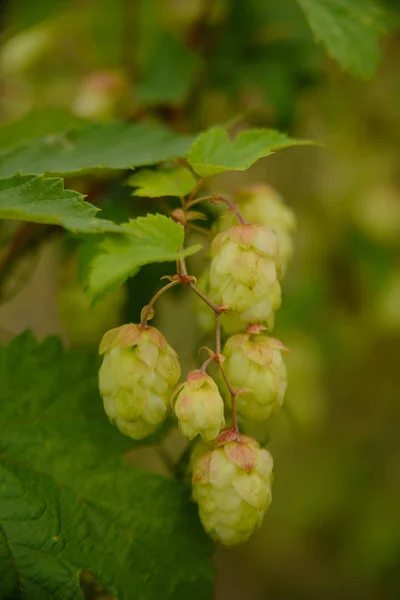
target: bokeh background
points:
(333, 529)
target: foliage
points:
(94, 92)
(69, 503)
(154, 238)
(348, 30)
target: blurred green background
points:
(333, 529)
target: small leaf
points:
(213, 152)
(95, 146)
(350, 31)
(169, 74)
(38, 200)
(154, 238)
(171, 182)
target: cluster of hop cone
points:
(231, 473)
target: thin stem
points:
(200, 294)
(191, 203)
(156, 296)
(233, 398)
(234, 207)
(217, 333)
(195, 190)
(182, 266)
(215, 198)
(206, 363)
(218, 310)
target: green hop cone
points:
(136, 379)
(262, 204)
(199, 407)
(232, 487)
(244, 272)
(254, 361)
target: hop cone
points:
(232, 487)
(262, 204)
(199, 407)
(244, 272)
(136, 379)
(254, 361)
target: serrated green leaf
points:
(38, 200)
(213, 152)
(70, 501)
(171, 182)
(95, 146)
(39, 123)
(154, 238)
(169, 73)
(349, 30)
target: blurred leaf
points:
(349, 31)
(23, 13)
(37, 124)
(96, 146)
(213, 152)
(169, 73)
(72, 502)
(38, 200)
(153, 184)
(154, 238)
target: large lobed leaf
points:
(154, 238)
(214, 152)
(38, 200)
(350, 31)
(36, 124)
(69, 500)
(95, 146)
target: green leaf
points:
(171, 182)
(349, 30)
(154, 238)
(95, 146)
(39, 123)
(38, 200)
(213, 152)
(169, 73)
(70, 500)
(24, 14)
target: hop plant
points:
(199, 407)
(254, 361)
(231, 474)
(263, 204)
(136, 378)
(232, 487)
(244, 272)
